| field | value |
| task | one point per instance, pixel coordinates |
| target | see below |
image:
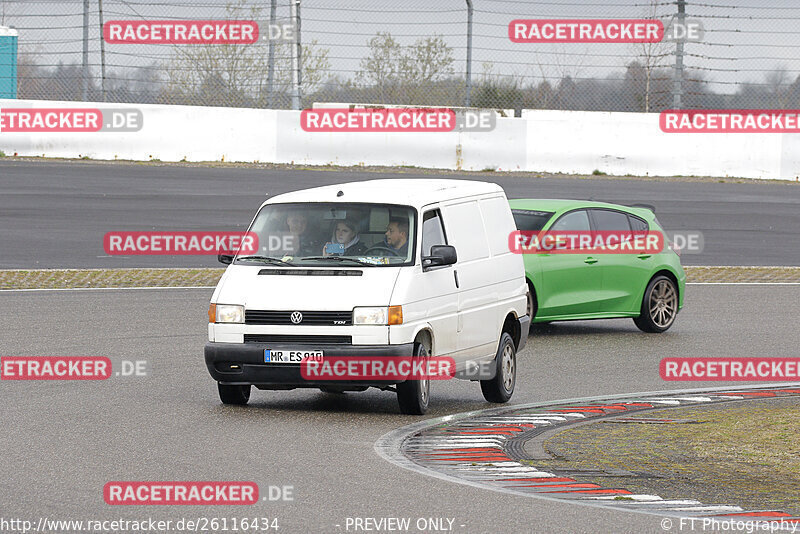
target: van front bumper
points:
(249, 357)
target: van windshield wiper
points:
(338, 258)
(265, 259)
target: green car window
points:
(610, 220)
(573, 221)
(530, 220)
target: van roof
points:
(406, 191)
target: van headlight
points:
(380, 315)
(229, 313)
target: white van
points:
(381, 268)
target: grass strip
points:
(740, 453)
(199, 277)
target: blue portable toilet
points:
(8, 62)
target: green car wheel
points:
(659, 306)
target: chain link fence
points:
(411, 53)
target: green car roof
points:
(559, 205)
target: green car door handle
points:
(590, 260)
(643, 256)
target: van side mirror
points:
(441, 255)
(227, 259)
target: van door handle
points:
(590, 260)
(455, 275)
(643, 256)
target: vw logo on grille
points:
(296, 317)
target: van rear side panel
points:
(476, 299)
(508, 267)
(499, 223)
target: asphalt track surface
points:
(54, 214)
(62, 441)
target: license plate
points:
(291, 356)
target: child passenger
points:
(345, 233)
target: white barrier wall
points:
(168, 133)
(546, 141)
(632, 143)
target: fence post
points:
(297, 59)
(271, 55)
(469, 54)
(102, 51)
(85, 62)
(677, 89)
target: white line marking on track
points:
(212, 287)
(102, 288)
(717, 508)
(743, 283)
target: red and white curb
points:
(484, 448)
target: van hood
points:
(331, 288)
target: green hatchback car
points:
(647, 287)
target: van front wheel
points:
(233, 394)
(414, 395)
(501, 387)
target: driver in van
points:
(397, 236)
(345, 233)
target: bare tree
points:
(409, 74)
(650, 58)
(427, 60)
(380, 68)
(779, 88)
(235, 74)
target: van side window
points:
(432, 231)
(572, 221)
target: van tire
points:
(531, 306)
(414, 395)
(238, 395)
(500, 388)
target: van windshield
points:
(335, 234)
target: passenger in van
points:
(345, 233)
(304, 245)
(397, 236)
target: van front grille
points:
(299, 339)
(309, 318)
